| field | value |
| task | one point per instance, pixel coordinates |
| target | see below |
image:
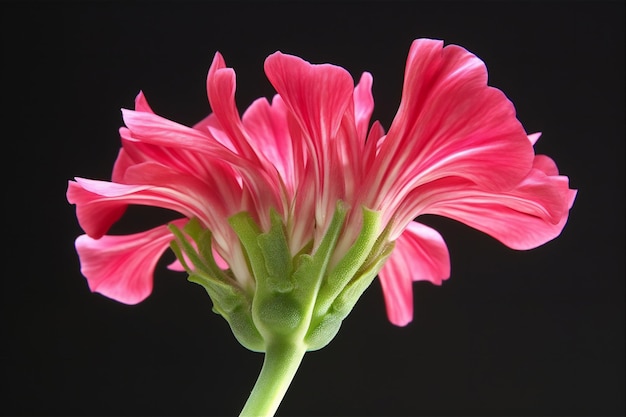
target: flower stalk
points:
(279, 367)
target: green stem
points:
(279, 367)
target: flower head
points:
(304, 194)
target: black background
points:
(511, 333)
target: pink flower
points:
(454, 148)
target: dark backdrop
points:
(511, 333)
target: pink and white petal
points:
(94, 219)
(141, 145)
(516, 229)
(212, 125)
(449, 123)
(156, 130)
(177, 266)
(99, 204)
(141, 104)
(317, 95)
(363, 105)
(420, 254)
(122, 267)
(269, 134)
(185, 161)
(221, 86)
(375, 139)
(546, 165)
(213, 199)
(123, 161)
(258, 173)
(218, 192)
(534, 137)
(530, 215)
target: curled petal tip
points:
(141, 103)
(534, 137)
(218, 63)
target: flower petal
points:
(123, 161)
(221, 87)
(138, 148)
(141, 104)
(99, 204)
(449, 123)
(317, 95)
(95, 219)
(150, 128)
(212, 125)
(363, 105)
(528, 216)
(269, 132)
(190, 143)
(420, 254)
(511, 223)
(534, 137)
(122, 267)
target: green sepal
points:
(202, 261)
(275, 251)
(344, 303)
(232, 303)
(229, 300)
(311, 269)
(327, 320)
(284, 295)
(350, 263)
(295, 299)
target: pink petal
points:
(375, 139)
(221, 87)
(528, 216)
(533, 138)
(317, 95)
(122, 163)
(219, 193)
(184, 161)
(99, 204)
(449, 123)
(124, 160)
(156, 130)
(518, 229)
(141, 104)
(363, 104)
(420, 254)
(95, 219)
(269, 132)
(176, 143)
(122, 267)
(212, 125)
(546, 165)
(136, 151)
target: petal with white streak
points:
(122, 267)
(420, 254)
(449, 123)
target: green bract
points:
(297, 299)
